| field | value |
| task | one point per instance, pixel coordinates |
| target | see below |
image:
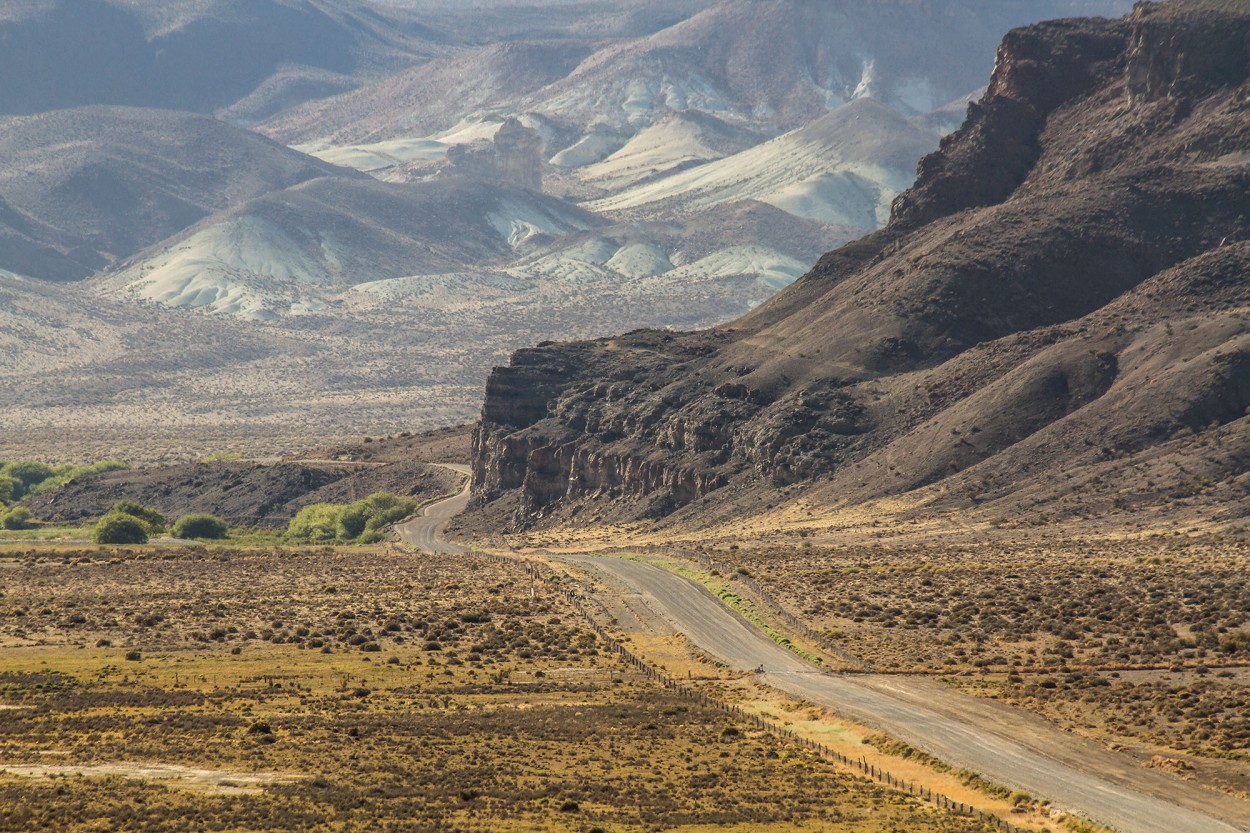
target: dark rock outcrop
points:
(1064, 286)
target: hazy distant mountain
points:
(431, 97)
(198, 55)
(82, 188)
(250, 59)
(772, 64)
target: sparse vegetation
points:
(221, 457)
(1144, 642)
(520, 722)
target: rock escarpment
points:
(1066, 287)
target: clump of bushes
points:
(120, 528)
(200, 525)
(19, 478)
(360, 522)
(18, 517)
(9, 489)
(153, 520)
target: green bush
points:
(61, 475)
(385, 509)
(28, 474)
(120, 529)
(33, 477)
(154, 520)
(360, 522)
(352, 520)
(315, 522)
(9, 487)
(18, 517)
(200, 525)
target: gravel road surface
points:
(1005, 745)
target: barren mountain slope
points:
(271, 255)
(1063, 287)
(844, 167)
(82, 188)
(431, 97)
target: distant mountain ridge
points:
(85, 187)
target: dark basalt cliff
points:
(1066, 287)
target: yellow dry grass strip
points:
(818, 724)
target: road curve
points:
(1003, 744)
(425, 531)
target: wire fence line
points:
(552, 580)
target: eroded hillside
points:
(1055, 317)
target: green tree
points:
(117, 528)
(352, 521)
(27, 472)
(8, 488)
(18, 517)
(154, 520)
(63, 475)
(386, 509)
(315, 522)
(361, 522)
(200, 525)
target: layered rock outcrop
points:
(1066, 285)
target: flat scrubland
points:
(328, 689)
(1142, 644)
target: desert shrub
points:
(154, 520)
(18, 517)
(315, 522)
(118, 528)
(200, 525)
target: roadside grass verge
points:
(738, 602)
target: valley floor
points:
(366, 689)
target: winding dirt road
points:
(425, 531)
(1006, 745)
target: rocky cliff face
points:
(1065, 286)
